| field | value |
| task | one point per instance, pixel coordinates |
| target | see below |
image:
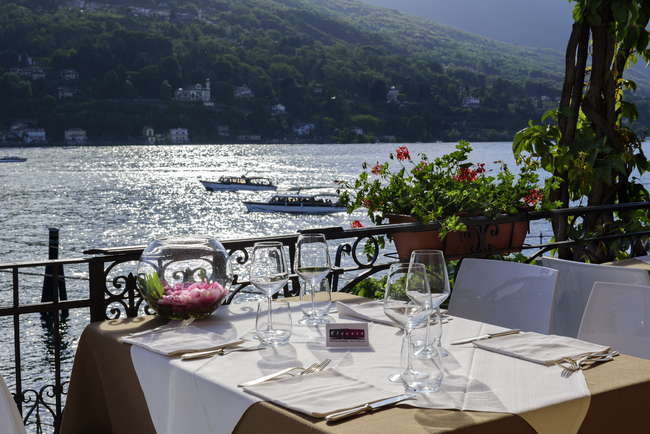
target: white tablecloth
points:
(201, 396)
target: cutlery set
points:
(576, 363)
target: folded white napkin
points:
(371, 311)
(180, 340)
(319, 394)
(538, 348)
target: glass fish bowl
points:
(181, 277)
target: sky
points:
(532, 23)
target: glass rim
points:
(268, 244)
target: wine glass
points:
(407, 303)
(268, 273)
(312, 264)
(436, 268)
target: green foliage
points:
(352, 51)
(439, 190)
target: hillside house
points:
(69, 74)
(244, 92)
(278, 110)
(224, 130)
(303, 129)
(179, 135)
(471, 102)
(194, 93)
(392, 94)
(66, 92)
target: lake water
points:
(129, 195)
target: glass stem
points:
(313, 300)
(409, 359)
(269, 326)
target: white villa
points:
(179, 135)
(194, 93)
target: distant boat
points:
(233, 183)
(325, 203)
(12, 159)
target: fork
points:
(576, 363)
(186, 322)
(316, 367)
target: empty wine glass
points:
(312, 264)
(268, 273)
(436, 268)
(407, 303)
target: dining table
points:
(120, 388)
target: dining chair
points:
(618, 316)
(574, 286)
(10, 420)
(504, 293)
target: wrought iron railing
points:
(112, 291)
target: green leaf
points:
(567, 111)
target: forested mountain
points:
(329, 63)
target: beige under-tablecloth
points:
(105, 397)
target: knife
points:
(372, 407)
(487, 336)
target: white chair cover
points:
(504, 293)
(10, 420)
(574, 286)
(618, 316)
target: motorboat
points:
(233, 183)
(324, 203)
(12, 159)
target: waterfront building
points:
(179, 135)
(36, 135)
(148, 134)
(249, 137)
(224, 130)
(194, 93)
(75, 136)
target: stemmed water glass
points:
(407, 303)
(312, 264)
(268, 273)
(436, 268)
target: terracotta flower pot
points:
(510, 236)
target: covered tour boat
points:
(233, 183)
(324, 203)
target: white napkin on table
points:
(538, 348)
(319, 394)
(371, 311)
(180, 340)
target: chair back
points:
(10, 420)
(618, 316)
(574, 286)
(504, 293)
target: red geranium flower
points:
(356, 224)
(375, 170)
(402, 153)
(534, 197)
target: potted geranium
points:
(443, 190)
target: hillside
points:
(300, 70)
